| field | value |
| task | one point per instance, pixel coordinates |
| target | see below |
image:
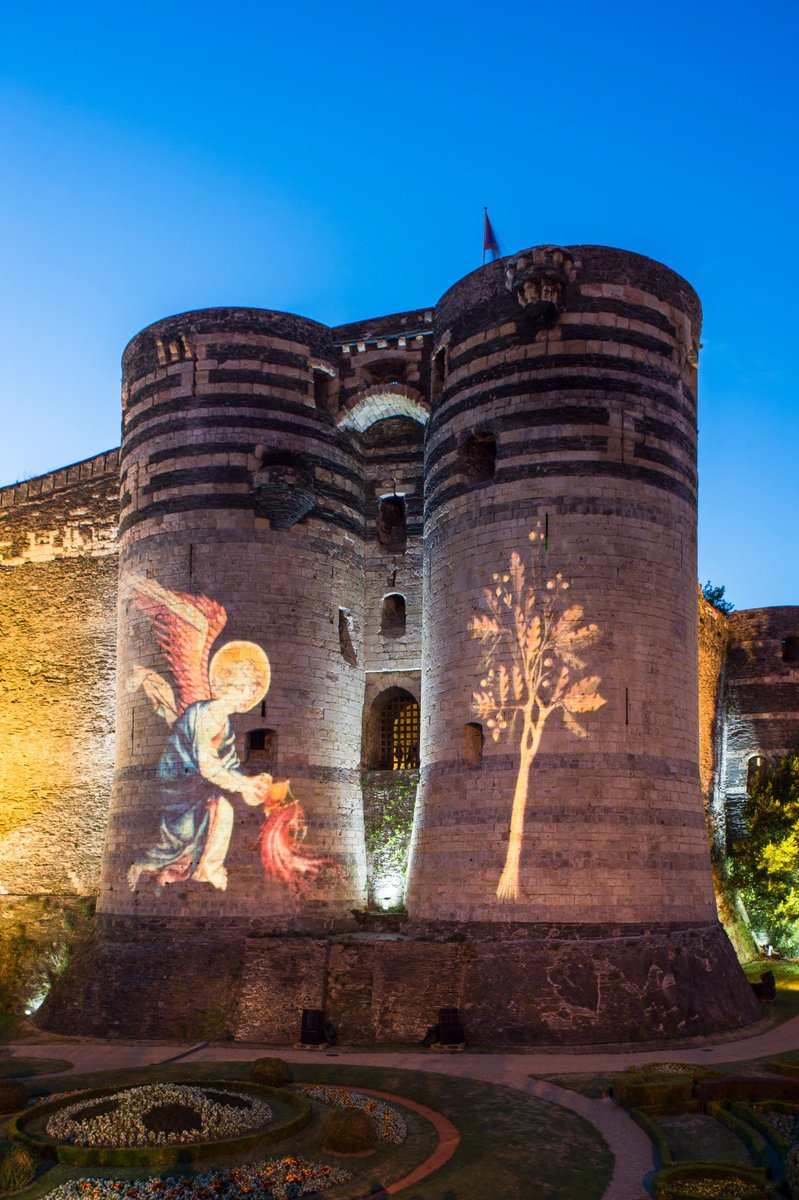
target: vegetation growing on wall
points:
(765, 864)
(715, 596)
(389, 798)
(37, 935)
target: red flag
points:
(489, 238)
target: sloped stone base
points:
(514, 985)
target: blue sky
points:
(334, 160)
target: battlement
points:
(26, 490)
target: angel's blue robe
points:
(186, 792)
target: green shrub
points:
(13, 1096)
(348, 1131)
(634, 1090)
(17, 1168)
(274, 1072)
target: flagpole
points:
(485, 218)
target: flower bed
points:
(158, 1114)
(711, 1181)
(389, 1125)
(157, 1153)
(277, 1179)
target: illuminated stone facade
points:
(488, 507)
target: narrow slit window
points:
(345, 637)
(391, 524)
(392, 621)
(439, 373)
(321, 387)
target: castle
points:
(428, 578)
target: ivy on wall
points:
(389, 800)
(37, 934)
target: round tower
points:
(559, 801)
(237, 798)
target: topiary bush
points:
(13, 1096)
(17, 1168)
(348, 1131)
(273, 1072)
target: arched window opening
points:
(262, 748)
(790, 650)
(345, 628)
(472, 751)
(399, 734)
(755, 772)
(479, 457)
(392, 621)
(391, 524)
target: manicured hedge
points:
(762, 1124)
(754, 1142)
(667, 1182)
(748, 1087)
(631, 1091)
(656, 1135)
(157, 1158)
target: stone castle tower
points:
(465, 539)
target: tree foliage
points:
(765, 864)
(715, 596)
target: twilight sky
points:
(334, 160)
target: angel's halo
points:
(240, 671)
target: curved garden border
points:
(448, 1138)
(158, 1157)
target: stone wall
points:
(761, 702)
(714, 636)
(58, 582)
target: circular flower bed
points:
(389, 1125)
(711, 1181)
(158, 1114)
(277, 1179)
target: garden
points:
(267, 1131)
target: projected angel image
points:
(199, 773)
(533, 639)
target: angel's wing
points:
(186, 628)
(157, 691)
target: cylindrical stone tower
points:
(240, 522)
(559, 803)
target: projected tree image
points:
(533, 639)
